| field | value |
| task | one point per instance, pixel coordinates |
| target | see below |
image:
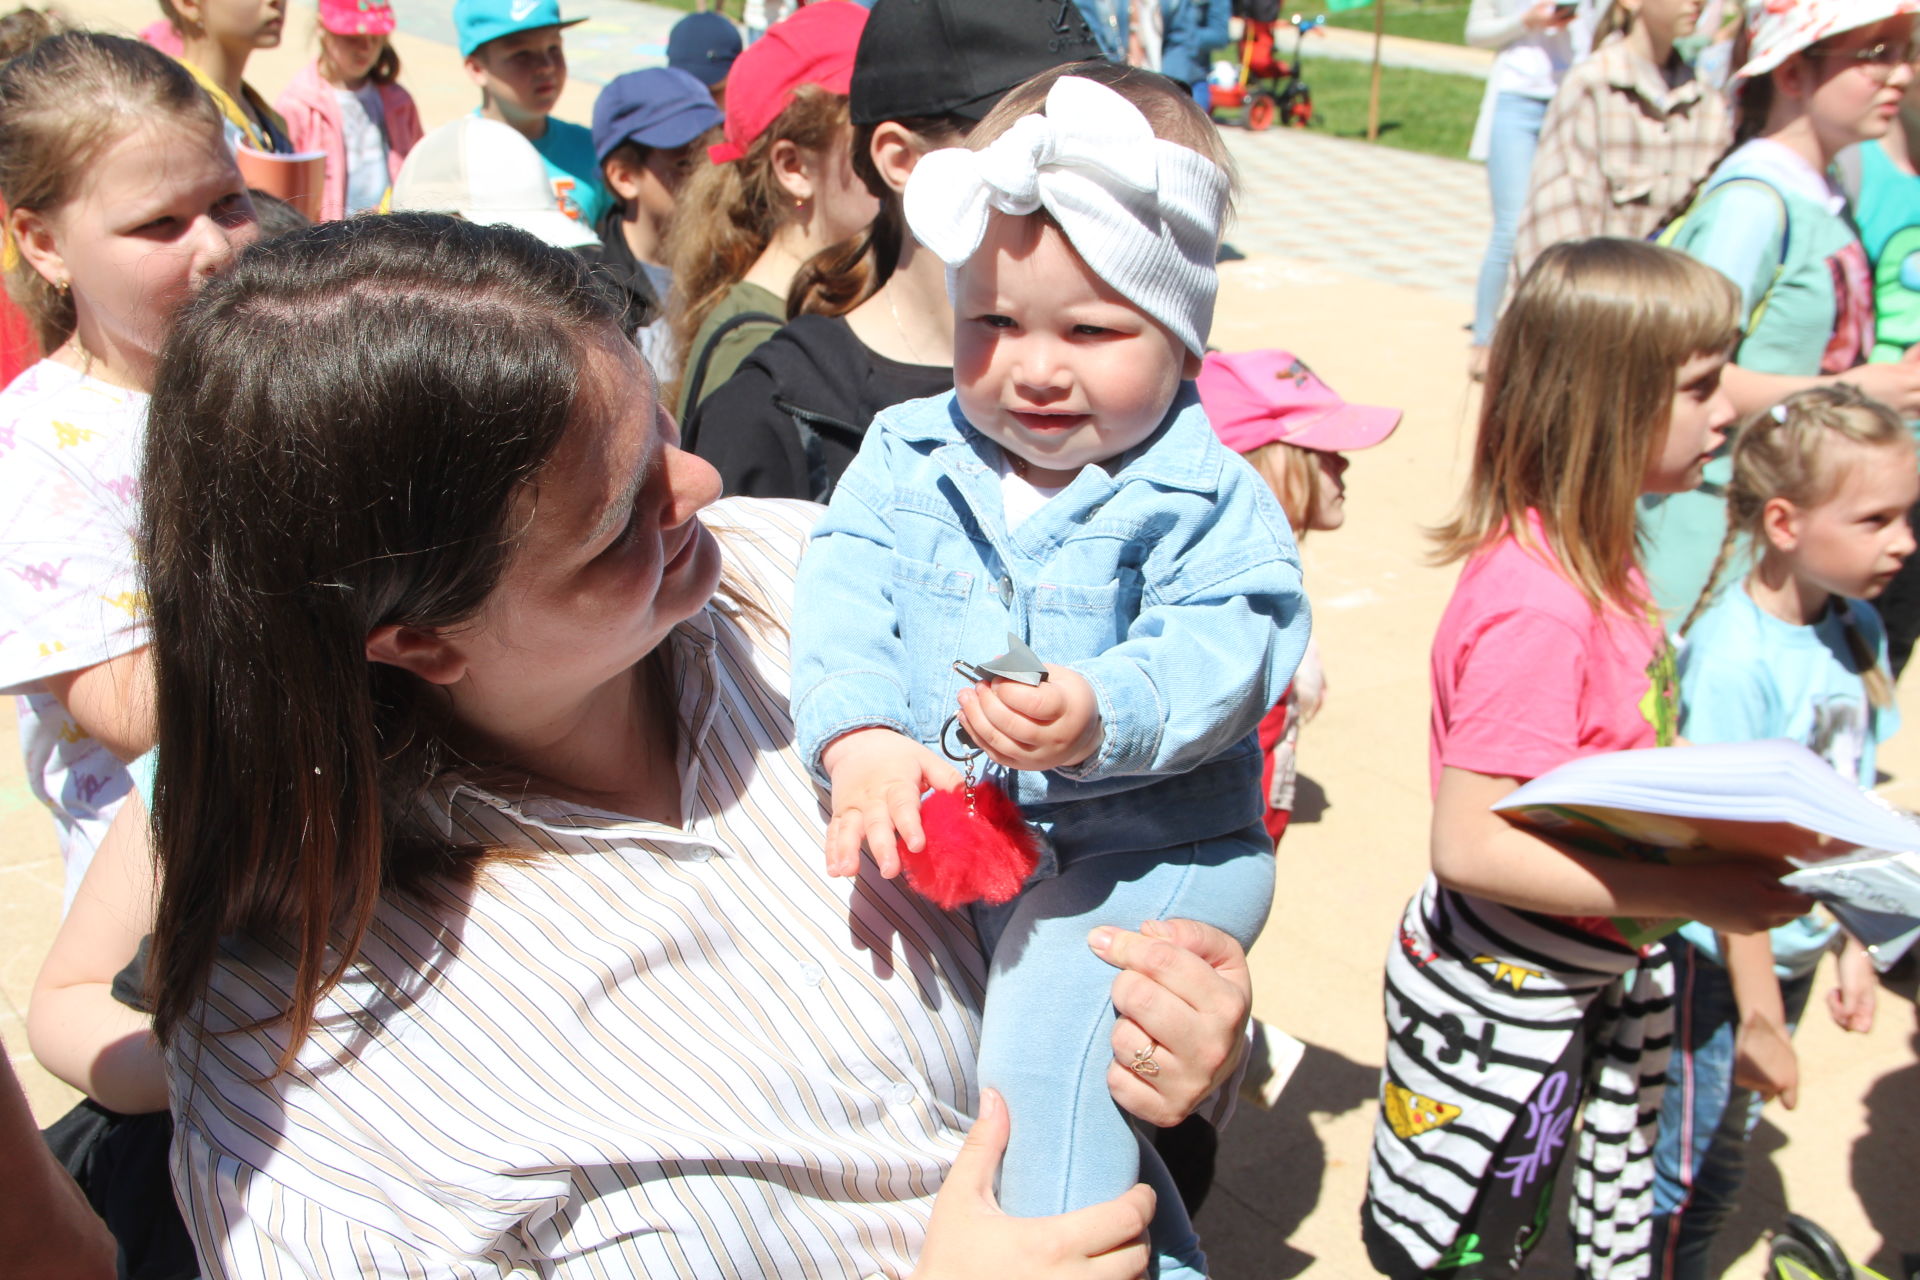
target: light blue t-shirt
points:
(567, 151)
(1777, 227)
(1745, 674)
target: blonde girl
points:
(349, 104)
(776, 191)
(1296, 432)
(122, 198)
(1812, 78)
(1513, 1003)
(217, 38)
(1630, 131)
(1819, 498)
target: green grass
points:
(1444, 23)
(1419, 110)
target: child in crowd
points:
(122, 197)
(645, 126)
(1513, 1003)
(1630, 132)
(349, 104)
(513, 51)
(1273, 411)
(1069, 490)
(1818, 76)
(705, 45)
(217, 37)
(1821, 488)
(775, 191)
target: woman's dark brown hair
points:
(338, 430)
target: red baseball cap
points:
(815, 45)
(1255, 398)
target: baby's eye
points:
(1090, 331)
(995, 322)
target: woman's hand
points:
(878, 777)
(969, 1237)
(1183, 996)
(1546, 16)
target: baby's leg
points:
(1046, 1036)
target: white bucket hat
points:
(1778, 29)
(486, 172)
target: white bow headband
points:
(1143, 213)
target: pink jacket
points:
(313, 122)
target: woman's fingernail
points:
(1100, 939)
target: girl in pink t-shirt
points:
(1512, 1002)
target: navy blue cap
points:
(659, 107)
(704, 45)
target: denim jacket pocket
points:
(1082, 621)
(930, 610)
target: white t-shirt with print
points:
(69, 594)
(360, 125)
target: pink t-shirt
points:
(1527, 676)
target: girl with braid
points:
(1819, 498)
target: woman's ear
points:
(793, 169)
(33, 235)
(1780, 524)
(894, 150)
(431, 657)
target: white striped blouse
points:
(655, 1052)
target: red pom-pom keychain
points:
(978, 847)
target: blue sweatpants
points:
(1046, 1035)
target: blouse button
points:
(811, 974)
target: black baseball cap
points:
(959, 57)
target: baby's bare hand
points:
(1045, 726)
(878, 777)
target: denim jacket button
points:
(1003, 590)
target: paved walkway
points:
(1361, 260)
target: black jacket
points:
(791, 418)
(618, 271)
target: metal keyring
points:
(974, 750)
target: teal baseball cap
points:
(478, 21)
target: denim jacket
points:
(1172, 586)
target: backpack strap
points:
(1672, 232)
(697, 375)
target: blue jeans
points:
(1516, 133)
(1046, 1035)
(1700, 1157)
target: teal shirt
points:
(567, 151)
(1745, 674)
(1888, 215)
(1792, 248)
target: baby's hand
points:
(878, 777)
(1042, 726)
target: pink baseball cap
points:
(357, 17)
(1255, 398)
(813, 45)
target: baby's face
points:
(1049, 362)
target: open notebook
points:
(1772, 799)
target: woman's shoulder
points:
(763, 539)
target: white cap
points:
(486, 172)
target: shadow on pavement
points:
(1271, 1165)
(1883, 1159)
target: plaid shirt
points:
(1618, 149)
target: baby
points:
(1068, 491)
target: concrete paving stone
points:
(29, 910)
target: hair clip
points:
(1779, 413)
